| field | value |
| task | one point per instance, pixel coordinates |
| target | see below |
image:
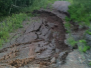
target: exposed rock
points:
(53, 60)
(61, 6)
(27, 37)
(34, 26)
(72, 61)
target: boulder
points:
(61, 5)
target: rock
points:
(44, 30)
(61, 6)
(53, 60)
(27, 37)
(88, 37)
(63, 55)
(34, 26)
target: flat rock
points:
(34, 26)
(53, 60)
(73, 61)
(27, 38)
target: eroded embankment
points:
(40, 45)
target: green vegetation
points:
(10, 24)
(67, 26)
(10, 6)
(88, 32)
(82, 46)
(80, 13)
(89, 63)
(71, 41)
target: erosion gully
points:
(40, 45)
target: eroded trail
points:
(39, 45)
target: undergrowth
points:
(38, 4)
(10, 24)
(80, 13)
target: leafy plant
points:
(80, 11)
(88, 32)
(82, 46)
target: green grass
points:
(37, 4)
(10, 24)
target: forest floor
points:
(40, 44)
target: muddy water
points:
(38, 45)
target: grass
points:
(37, 4)
(10, 24)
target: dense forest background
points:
(10, 6)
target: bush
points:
(80, 11)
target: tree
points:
(5, 6)
(8, 6)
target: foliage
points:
(88, 32)
(10, 6)
(5, 6)
(10, 24)
(37, 4)
(89, 63)
(71, 41)
(68, 27)
(82, 45)
(80, 11)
